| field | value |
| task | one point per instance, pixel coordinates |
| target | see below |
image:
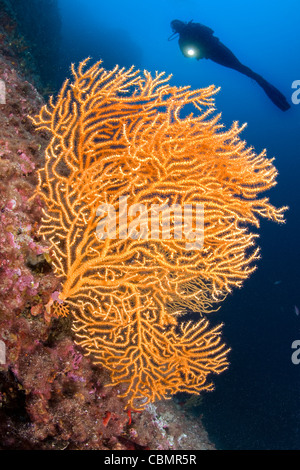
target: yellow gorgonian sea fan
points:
(122, 137)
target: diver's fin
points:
(275, 95)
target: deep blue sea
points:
(256, 403)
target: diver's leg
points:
(273, 93)
(222, 55)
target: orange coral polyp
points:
(120, 133)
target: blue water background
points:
(256, 403)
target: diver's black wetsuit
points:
(209, 47)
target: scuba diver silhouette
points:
(198, 41)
